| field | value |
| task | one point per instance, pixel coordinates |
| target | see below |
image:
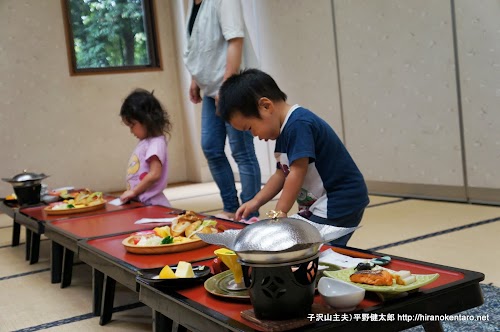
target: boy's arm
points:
(292, 185)
(272, 187)
(153, 175)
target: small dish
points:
(340, 295)
(58, 191)
(218, 286)
(422, 280)
(150, 276)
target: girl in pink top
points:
(147, 167)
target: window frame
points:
(152, 44)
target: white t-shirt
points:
(205, 56)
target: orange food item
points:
(11, 197)
(372, 277)
(189, 216)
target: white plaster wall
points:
(296, 46)
(478, 34)
(68, 127)
(399, 90)
(399, 112)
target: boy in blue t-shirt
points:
(313, 165)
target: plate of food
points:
(84, 201)
(183, 274)
(382, 280)
(11, 199)
(181, 235)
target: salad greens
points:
(167, 240)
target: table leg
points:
(434, 326)
(161, 322)
(56, 261)
(108, 297)
(67, 268)
(35, 248)
(97, 284)
(28, 244)
(176, 327)
(16, 232)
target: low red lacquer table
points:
(454, 291)
(109, 259)
(65, 233)
(33, 218)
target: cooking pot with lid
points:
(25, 179)
(27, 186)
(277, 240)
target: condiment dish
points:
(340, 295)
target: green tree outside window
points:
(107, 35)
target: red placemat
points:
(110, 223)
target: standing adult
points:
(215, 33)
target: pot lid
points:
(26, 176)
(276, 234)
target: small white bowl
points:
(339, 294)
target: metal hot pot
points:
(279, 257)
(27, 186)
(277, 240)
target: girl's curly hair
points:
(143, 107)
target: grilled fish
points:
(372, 277)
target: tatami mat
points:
(176, 192)
(474, 248)
(376, 200)
(12, 260)
(440, 232)
(411, 218)
(41, 302)
(200, 204)
(5, 221)
(133, 320)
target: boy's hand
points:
(246, 209)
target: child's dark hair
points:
(143, 107)
(241, 93)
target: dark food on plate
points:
(364, 266)
(372, 277)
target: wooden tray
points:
(49, 210)
(161, 249)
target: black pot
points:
(28, 195)
(281, 291)
(27, 187)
